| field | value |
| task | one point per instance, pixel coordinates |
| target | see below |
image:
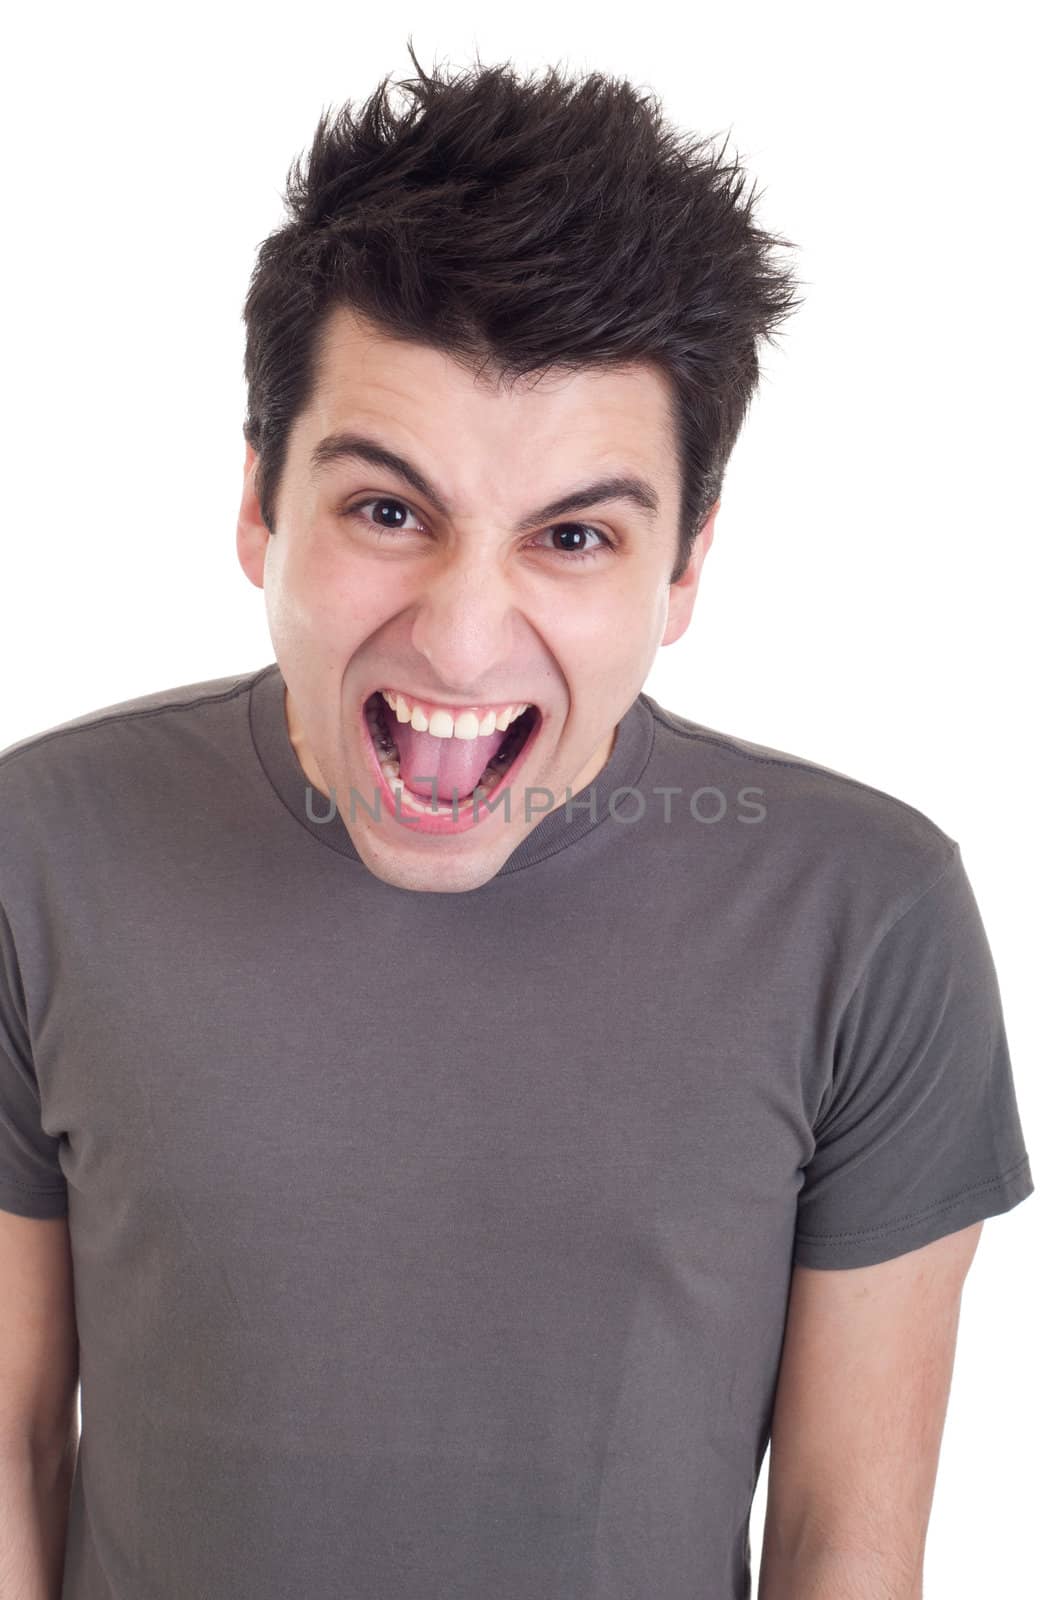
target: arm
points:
(859, 1413)
(38, 1403)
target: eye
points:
(396, 510)
(567, 529)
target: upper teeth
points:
(442, 724)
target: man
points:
(454, 1109)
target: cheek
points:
(311, 591)
(612, 624)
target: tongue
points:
(455, 764)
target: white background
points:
(883, 590)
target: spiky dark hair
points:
(519, 225)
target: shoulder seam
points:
(705, 736)
(35, 742)
(954, 857)
(865, 967)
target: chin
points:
(440, 872)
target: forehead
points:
(365, 373)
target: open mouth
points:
(413, 766)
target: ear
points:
(683, 592)
(252, 535)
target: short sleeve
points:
(32, 1183)
(920, 1133)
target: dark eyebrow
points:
(356, 447)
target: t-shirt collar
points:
(557, 830)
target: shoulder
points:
(816, 824)
(89, 771)
(91, 729)
(93, 737)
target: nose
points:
(464, 625)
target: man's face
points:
(456, 593)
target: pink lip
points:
(479, 810)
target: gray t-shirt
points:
(438, 1245)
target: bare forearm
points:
(34, 1507)
(836, 1575)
